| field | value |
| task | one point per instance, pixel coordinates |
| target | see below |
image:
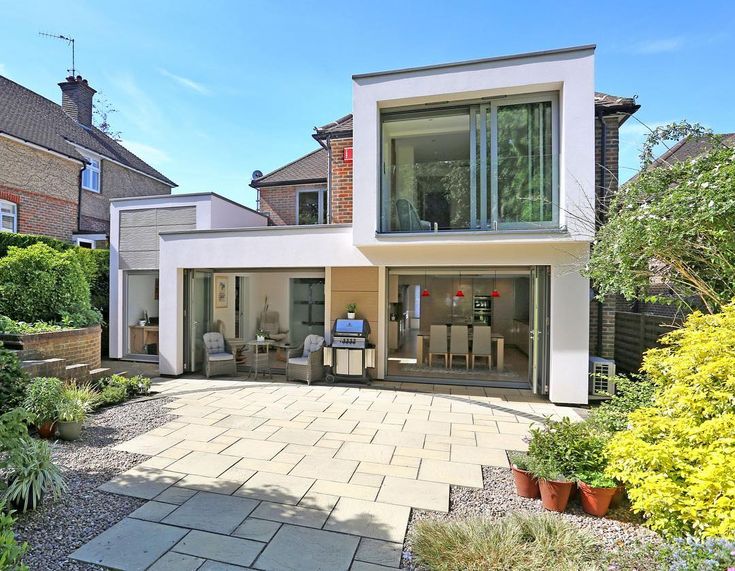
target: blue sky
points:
(207, 95)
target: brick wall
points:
(74, 345)
(42, 214)
(116, 182)
(341, 182)
(279, 202)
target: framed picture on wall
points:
(220, 291)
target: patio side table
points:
(261, 358)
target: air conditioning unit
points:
(602, 376)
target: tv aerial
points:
(69, 42)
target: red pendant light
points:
(425, 292)
(459, 293)
(495, 292)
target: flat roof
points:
(557, 51)
(185, 196)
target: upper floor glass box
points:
(490, 165)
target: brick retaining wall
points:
(74, 345)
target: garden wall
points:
(74, 345)
(635, 333)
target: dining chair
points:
(482, 344)
(438, 343)
(459, 344)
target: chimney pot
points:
(76, 99)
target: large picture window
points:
(489, 166)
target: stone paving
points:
(281, 476)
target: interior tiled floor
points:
(280, 476)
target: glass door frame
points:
(538, 342)
(190, 334)
(127, 354)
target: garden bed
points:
(59, 527)
(497, 498)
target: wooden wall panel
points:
(360, 286)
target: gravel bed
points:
(498, 498)
(59, 527)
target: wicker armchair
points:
(216, 360)
(306, 362)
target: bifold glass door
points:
(489, 166)
(539, 330)
(198, 316)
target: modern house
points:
(458, 195)
(58, 172)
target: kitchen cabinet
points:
(392, 289)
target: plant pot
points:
(47, 429)
(619, 497)
(596, 501)
(555, 495)
(350, 315)
(260, 338)
(70, 430)
(526, 483)
(19, 505)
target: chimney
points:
(76, 99)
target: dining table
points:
(499, 340)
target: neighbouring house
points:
(460, 195)
(58, 172)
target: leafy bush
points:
(566, 448)
(693, 554)
(112, 394)
(8, 239)
(520, 460)
(76, 403)
(630, 394)
(133, 386)
(32, 475)
(42, 398)
(39, 283)
(516, 542)
(11, 554)
(12, 380)
(8, 325)
(678, 457)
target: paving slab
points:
(256, 449)
(369, 519)
(175, 495)
(177, 562)
(257, 529)
(345, 490)
(147, 444)
(197, 432)
(203, 464)
(217, 566)
(240, 422)
(212, 512)
(318, 501)
(296, 436)
(207, 484)
(333, 425)
(457, 473)
(476, 455)
(130, 545)
(301, 549)
(381, 453)
(363, 566)
(141, 482)
(400, 438)
(296, 515)
(221, 548)
(379, 552)
(333, 469)
(415, 494)
(153, 511)
(280, 488)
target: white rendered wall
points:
(571, 74)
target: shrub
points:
(516, 542)
(12, 380)
(678, 457)
(32, 474)
(39, 283)
(8, 239)
(566, 448)
(42, 398)
(112, 394)
(693, 554)
(630, 394)
(8, 325)
(76, 403)
(11, 554)
(520, 460)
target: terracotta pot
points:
(526, 483)
(47, 429)
(595, 501)
(555, 495)
(619, 497)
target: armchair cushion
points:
(214, 342)
(312, 343)
(298, 361)
(220, 356)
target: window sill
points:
(91, 190)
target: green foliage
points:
(678, 457)
(630, 394)
(8, 239)
(33, 475)
(112, 394)
(76, 403)
(566, 448)
(673, 223)
(351, 307)
(596, 479)
(11, 554)
(516, 542)
(520, 460)
(12, 380)
(39, 283)
(694, 554)
(8, 325)
(42, 398)
(116, 388)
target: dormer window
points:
(91, 174)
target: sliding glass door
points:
(198, 316)
(489, 166)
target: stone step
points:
(53, 367)
(78, 371)
(97, 374)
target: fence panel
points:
(635, 333)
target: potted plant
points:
(42, 398)
(75, 404)
(554, 486)
(32, 474)
(351, 310)
(525, 482)
(596, 492)
(260, 335)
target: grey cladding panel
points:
(179, 216)
(145, 217)
(139, 230)
(142, 238)
(139, 260)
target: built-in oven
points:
(482, 310)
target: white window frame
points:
(92, 169)
(13, 215)
(322, 215)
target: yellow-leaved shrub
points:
(677, 458)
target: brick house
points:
(58, 172)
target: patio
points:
(275, 475)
